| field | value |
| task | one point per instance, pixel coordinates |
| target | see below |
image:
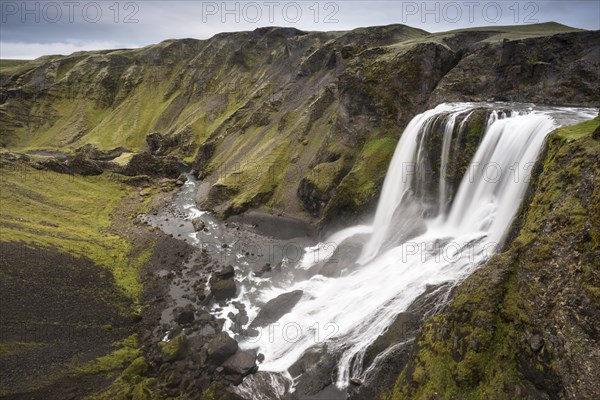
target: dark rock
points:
(91, 152)
(536, 342)
(234, 379)
(313, 372)
(276, 308)
(243, 362)
(221, 348)
(78, 165)
(83, 166)
(159, 144)
(266, 268)
(148, 164)
(184, 315)
(222, 289)
(139, 180)
(356, 381)
(205, 153)
(226, 272)
(198, 224)
(404, 326)
(596, 134)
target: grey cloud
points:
(145, 22)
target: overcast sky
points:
(29, 29)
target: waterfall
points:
(410, 244)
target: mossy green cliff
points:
(285, 120)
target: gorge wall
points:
(299, 123)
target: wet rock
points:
(243, 362)
(313, 371)
(221, 348)
(234, 379)
(404, 327)
(182, 178)
(266, 268)
(78, 165)
(184, 315)
(226, 272)
(356, 381)
(175, 349)
(536, 342)
(276, 308)
(198, 224)
(222, 289)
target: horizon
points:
(49, 28)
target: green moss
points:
(12, 348)
(217, 391)
(137, 368)
(174, 349)
(325, 175)
(71, 213)
(361, 185)
(127, 353)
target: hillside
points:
(292, 122)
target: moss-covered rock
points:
(175, 349)
(135, 370)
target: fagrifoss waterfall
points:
(425, 234)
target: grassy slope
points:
(70, 213)
(478, 347)
(169, 87)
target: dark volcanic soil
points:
(56, 310)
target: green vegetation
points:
(132, 383)
(127, 353)
(11, 348)
(174, 349)
(71, 213)
(363, 182)
(5, 64)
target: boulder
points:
(184, 315)
(536, 342)
(222, 289)
(221, 348)
(175, 349)
(226, 272)
(148, 164)
(138, 180)
(276, 308)
(83, 166)
(137, 368)
(198, 224)
(243, 362)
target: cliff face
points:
(302, 123)
(525, 325)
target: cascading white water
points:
(351, 309)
